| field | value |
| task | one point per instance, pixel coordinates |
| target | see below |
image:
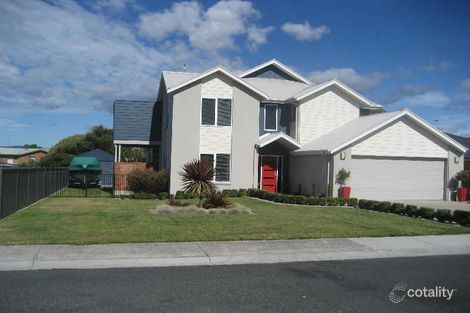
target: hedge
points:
(442, 215)
(296, 199)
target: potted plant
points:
(463, 177)
(342, 178)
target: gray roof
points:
(19, 151)
(173, 79)
(136, 120)
(347, 132)
(101, 155)
(463, 141)
(277, 89)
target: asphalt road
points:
(330, 286)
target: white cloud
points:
(114, 6)
(465, 85)
(67, 55)
(213, 29)
(440, 65)
(305, 32)
(182, 17)
(349, 76)
(406, 91)
(11, 124)
(258, 36)
(432, 99)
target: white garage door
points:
(400, 179)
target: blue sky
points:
(62, 63)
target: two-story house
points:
(271, 128)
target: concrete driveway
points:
(437, 204)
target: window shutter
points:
(222, 167)
(224, 112)
(208, 111)
(270, 122)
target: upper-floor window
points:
(270, 117)
(216, 112)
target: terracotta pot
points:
(462, 194)
(345, 192)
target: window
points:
(221, 164)
(224, 112)
(270, 117)
(222, 168)
(216, 112)
(208, 111)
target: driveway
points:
(438, 204)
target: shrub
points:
(362, 204)
(234, 193)
(461, 217)
(397, 208)
(352, 202)
(184, 195)
(322, 201)
(443, 215)
(332, 202)
(174, 202)
(197, 176)
(384, 206)
(411, 210)
(163, 195)
(427, 213)
(144, 195)
(148, 181)
(216, 200)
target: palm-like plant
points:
(197, 178)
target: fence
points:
(20, 187)
(100, 185)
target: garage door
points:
(400, 179)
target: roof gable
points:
(222, 71)
(335, 83)
(359, 128)
(275, 70)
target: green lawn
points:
(109, 220)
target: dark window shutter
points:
(224, 112)
(208, 111)
(222, 167)
(270, 122)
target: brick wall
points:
(121, 170)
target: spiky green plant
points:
(197, 177)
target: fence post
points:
(16, 189)
(28, 196)
(1, 192)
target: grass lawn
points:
(109, 220)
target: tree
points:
(31, 146)
(197, 178)
(60, 155)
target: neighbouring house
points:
(271, 128)
(107, 165)
(20, 156)
(465, 141)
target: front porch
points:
(273, 161)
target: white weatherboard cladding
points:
(397, 179)
(324, 113)
(215, 139)
(216, 88)
(401, 139)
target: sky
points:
(62, 63)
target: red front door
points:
(269, 173)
